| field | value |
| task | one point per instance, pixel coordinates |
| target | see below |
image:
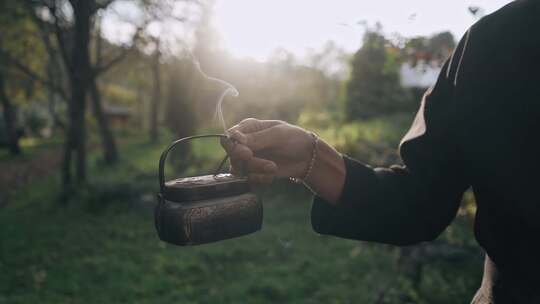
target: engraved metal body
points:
(204, 209)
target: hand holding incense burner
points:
(204, 209)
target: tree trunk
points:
(10, 120)
(110, 153)
(140, 107)
(77, 135)
(53, 75)
(66, 164)
(79, 77)
(156, 99)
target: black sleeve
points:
(413, 203)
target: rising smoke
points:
(229, 90)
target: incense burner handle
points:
(165, 153)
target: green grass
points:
(30, 147)
(374, 141)
(102, 248)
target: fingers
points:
(261, 171)
(235, 150)
(238, 154)
(260, 179)
(242, 157)
(265, 139)
(249, 136)
(251, 125)
(256, 134)
(261, 166)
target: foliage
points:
(119, 95)
(374, 87)
(98, 245)
(435, 48)
(180, 115)
(102, 248)
(19, 40)
(373, 141)
(278, 89)
(180, 111)
(34, 120)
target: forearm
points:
(386, 205)
(328, 173)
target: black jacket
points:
(479, 127)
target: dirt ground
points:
(18, 172)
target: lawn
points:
(101, 247)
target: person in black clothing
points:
(478, 127)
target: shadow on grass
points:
(102, 248)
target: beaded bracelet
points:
(311, 162)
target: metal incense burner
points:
(204, 209)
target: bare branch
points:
(102, 4)
(33, 75)
(44, 29)
(103, 67)
(98, 45)
(60, 39)
(107, 65)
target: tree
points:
(161, 14)
(110, 153)
(156, 96)
(101, 66)
(10, 119)
(66, 29)
(374, 87)
(441, 45)
(22, 54)
(208, 51)
(72, 30)
(180, 115)
(429, 49)
(9, 114)
(17, 35)
(70, 22)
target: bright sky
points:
(254, 28)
